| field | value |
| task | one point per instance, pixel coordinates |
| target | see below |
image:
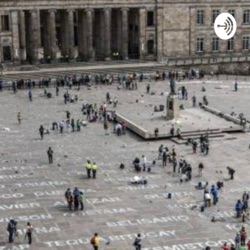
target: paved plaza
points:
(32, 190)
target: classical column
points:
(107, 33)
(71, 40)
(142, 33)
(15, 35)
(39, 30)
(22, 39)
(82, 37)
(159, 40)
(90, 34)
(52, 33)
(124, 33)
(67, 33)
(33, 36)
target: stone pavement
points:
(31, 190)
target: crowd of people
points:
(93, 113)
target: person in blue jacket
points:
(215, 193)
(238, 208)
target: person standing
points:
(61, 125)
(29, 230)
(144, 164)
(137, 242)
(41, 131)
(73, 125)
(94, 170)
(148, 88)
(215, 194)
(200, 168)
(248, 245)
(243, 236)
(106, 128)
(19, 117)
(76, 194)
(164, 158)
(95, 241)
(88, 168)
(235, 86)
(50, 155)
(194, 101)
(81, 198)
(30, 95)
(231, 172)
(57, 91)
(11, 228)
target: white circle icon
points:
(225, 26)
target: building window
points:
(7, 53)
(215, 14)
(199, 44)
(5, 22)
(232, 12)
(215, 44)
(230, 44)
(200, 17)
(245, 43)
(246, 16)
(150, 18)
(150, 47)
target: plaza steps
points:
(95, 69)
(144, 134)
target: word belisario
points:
(126, 223)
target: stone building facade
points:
(36, 31)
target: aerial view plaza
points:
(124, 125)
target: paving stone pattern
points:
(32, 190)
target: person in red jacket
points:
(225, 247)
(248, 245)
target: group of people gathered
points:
(74, 199)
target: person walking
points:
(41, 131)
(95, 241)
(29, 230)
(19, 117)
(137, 242)
(50, 155)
